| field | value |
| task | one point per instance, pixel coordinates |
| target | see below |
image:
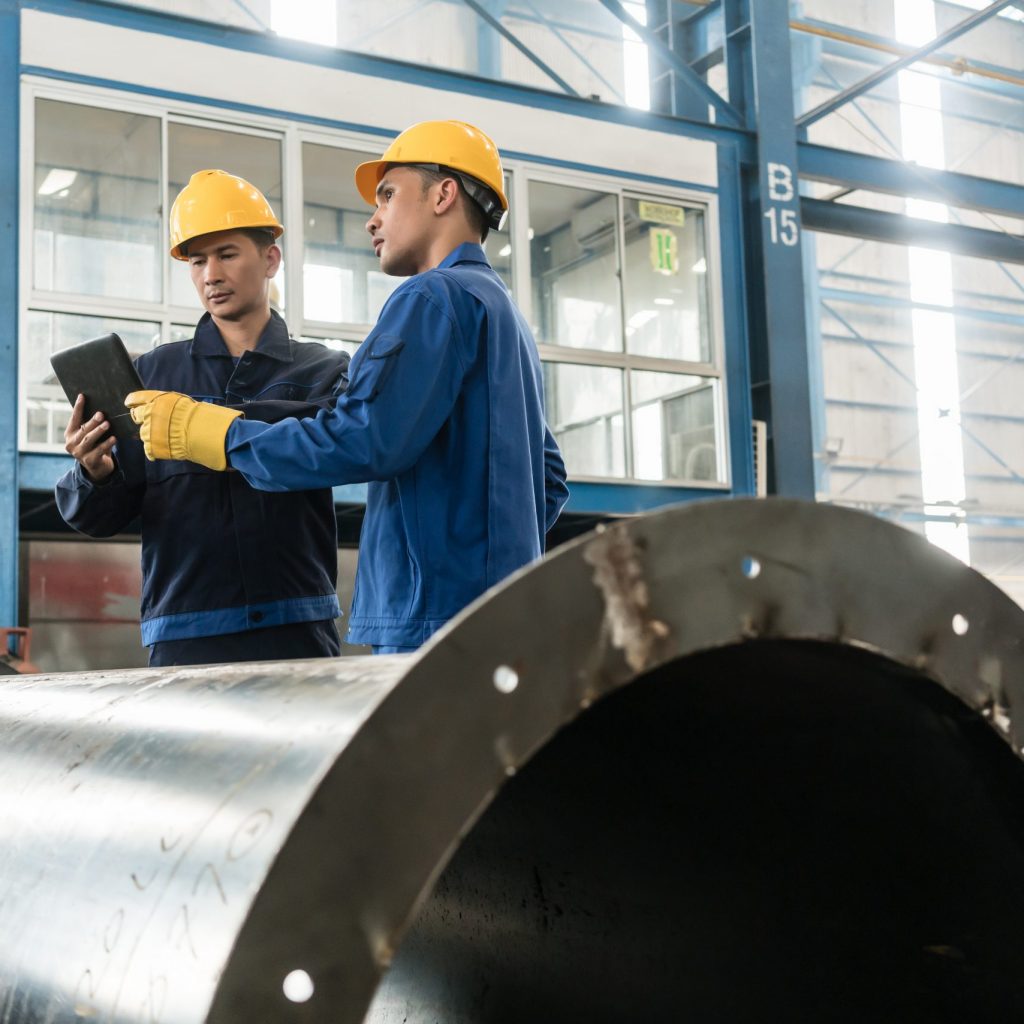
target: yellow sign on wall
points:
(662, 213)
(664, 251)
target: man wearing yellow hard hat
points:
(443, 416)
(230, 573)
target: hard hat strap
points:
(481, 194)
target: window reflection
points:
(340, 276)
(256, 158)
(674, 427)
(337, 344)
(584, 409)
(666, 281)
(574, 260)
(47, 407)
(98, 227)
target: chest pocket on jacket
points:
(283, 392)
(377, 365)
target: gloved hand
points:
(174, 426)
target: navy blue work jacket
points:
(444, 418)
(219, 556)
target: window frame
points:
(624, 188)
(292, 136)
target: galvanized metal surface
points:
(177, 844)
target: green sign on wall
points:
(664, 251)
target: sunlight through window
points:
(314, 21)
(943, 486)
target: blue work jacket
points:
(219, 556)
(444, 418)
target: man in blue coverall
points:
(229, 572)
(443, 416)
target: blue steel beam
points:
(895, 177)
(688, 39)
(10, 56)
(783, 332)
(686, 74)
(862, 298)
(496, 24)
(859, 222)
(736, 47)
(879, 76)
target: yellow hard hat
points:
(448, 144)
(218, 201)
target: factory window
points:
(343, 289)
(584, 407)
(620, 309)
(574, 266)
(341, 282)
(615, 283)
(666, 265)
(98, 229)
(46, 407)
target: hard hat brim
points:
(178, 251)
(368, 177)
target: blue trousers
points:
(275, 643)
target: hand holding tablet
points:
(103, 372)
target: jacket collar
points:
(467, 252)
(274, 341)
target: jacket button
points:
(256, 616)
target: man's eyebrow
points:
(383, 183)
(219, 250)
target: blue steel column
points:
(10, 56)
(782, 333)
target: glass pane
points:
(499, 244)
(584, 411)
(46, 333)
(336, 343)
(98, 225)
(257, 159)
(674, 427)
(340, 275)
(574, 265)
(666, 281)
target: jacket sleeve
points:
(405, 380)
(104, 509)
(556, 494)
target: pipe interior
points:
(770, 831)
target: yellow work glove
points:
(174, 426)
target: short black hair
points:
(474, 212)
(262, 237)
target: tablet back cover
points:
(102, 370)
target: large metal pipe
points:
(734, 762)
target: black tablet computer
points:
(103, 371)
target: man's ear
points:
(447, 194)
(273, 258)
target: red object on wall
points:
(14, 656)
